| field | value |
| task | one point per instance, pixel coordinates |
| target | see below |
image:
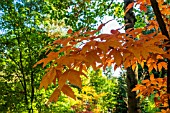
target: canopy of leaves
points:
(127, 49)
(25, 28)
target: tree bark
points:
(131, 78)
(131, 81)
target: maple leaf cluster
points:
(99, 52)
(84, 49)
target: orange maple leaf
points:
(68, 91)
(74, 77)
(55, 95)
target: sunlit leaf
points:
(55, 95)
(143, 8)
(48, 78)
(63, 79)
(44, 61)
(68, 91)
(117, 58)
(145, 81)
(133, 67)
(162, 64)
(74, 77)
(152, 77)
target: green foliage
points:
(21, 40)
(25, 28)
(121, 97)
(102, 84)
(98, 93)
(148, 105)
(83, 13)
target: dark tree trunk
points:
(131, 79)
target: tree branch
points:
(108, 6)
(159, 18)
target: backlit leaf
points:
(44, 61)
(152, 77)
(44, 82)
(63, 79)
(142, 64)
(74, 78)
(150, 68)
(48, 78)
(156, 49)
(137, 87)
(55, 95)
(133, 67)
(162, 64)
(143, 8)
(118, 58)
(145, 81)
(135, 51)
(145, 53)
(68, 91)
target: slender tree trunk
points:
(164, 31)
(31, 64)
(131, 79)
(20, 62)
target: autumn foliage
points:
(84, 49)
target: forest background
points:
(41, 31)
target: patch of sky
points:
(106, 29)
(112, 25)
